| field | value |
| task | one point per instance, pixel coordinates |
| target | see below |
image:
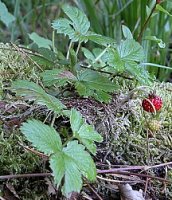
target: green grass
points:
(106, 18)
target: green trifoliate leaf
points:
(113, 59)
(84, 132)
(96, 81)
(64, 26)
(127, 57)
(43, 137)
(92, 83)
(6, 17)
(71, 163)
(76, 27)
(40, 41)
(130, 50)
(82, 159)
(79, 19)
(32, 91)
(57, 76)
(127, 50)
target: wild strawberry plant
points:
(70, 160)
(93, 76)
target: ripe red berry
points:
(152, 103)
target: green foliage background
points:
(106, 17)
(111, 30)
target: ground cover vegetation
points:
(85, 100)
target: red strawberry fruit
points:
(152, 103)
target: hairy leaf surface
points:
(130, 50)
(96, 81)
(43, 137)
(71, 163)
(57, 76)
(32, 91)
(84, 132)
(76, 27)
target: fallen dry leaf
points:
(127, 193)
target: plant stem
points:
(68, 51)
(34, 151)
(78, 47)
(119, 181)
(24, 175)
(53, 120)
(145, 24)
(110, 73)
(99, 56)
(130, 168)
(115, 171)
(144, 176)
(69, 139)
(148, 151)
(53, 40)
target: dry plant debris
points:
(127, 193)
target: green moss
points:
(14, 65)
(14, 158)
